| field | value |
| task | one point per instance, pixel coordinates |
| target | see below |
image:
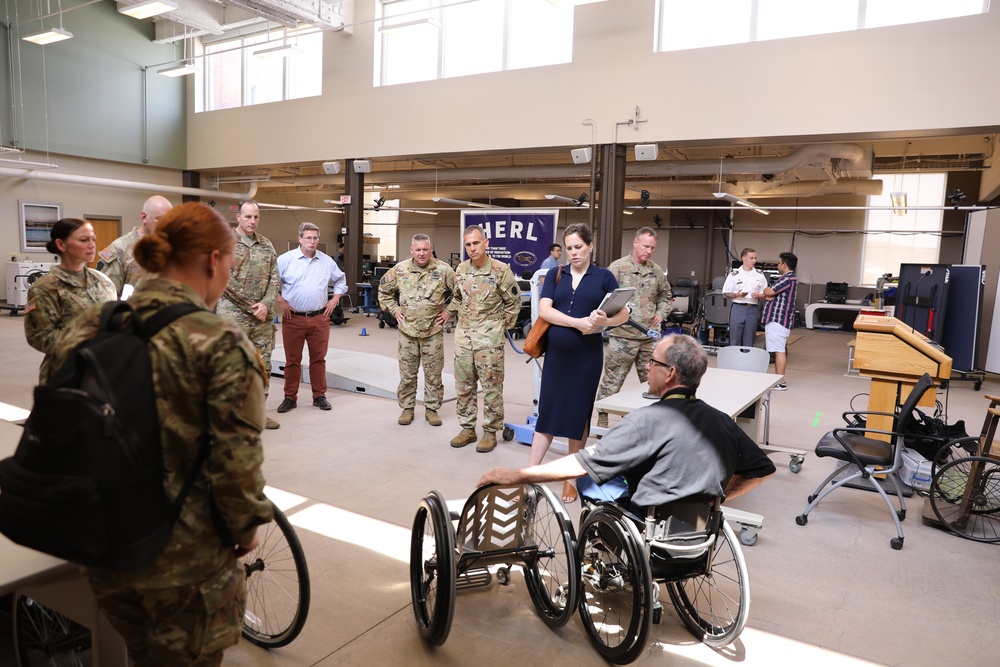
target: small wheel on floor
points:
(896, 543)
(657, 613)
(810, 498)
(901, 514)
(508, 433)
(977, 386)
(802, 519)
(748, 539)
(432, 569)
(551, 572)
(381, 324)
(503, 575)
(795, 465)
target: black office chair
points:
(685, 297)
(868, 456)
(715, 314)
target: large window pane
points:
(540, 34)
(912, 238)
(223, 76)
(777, 19)
(305, 67)
(693, 25)
(473, 38)
(265, 75)
(898, 12)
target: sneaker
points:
(781, 386)
(433, 418)
(270, 424)
(287, 404)
(487, 443)
(322, 403)
(405, 417)
(602, 420)
(466, 437)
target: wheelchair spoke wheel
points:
(965, 497)
(616, 587)
(715, 606)
(278, 589)
(553, 576)
(45, 637)
(432, 569)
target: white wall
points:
(824, 85)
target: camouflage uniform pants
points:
(262, 337)
(187, 625)
(414, 353)
(618, 360)
(486, 367)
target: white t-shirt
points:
(750, 282)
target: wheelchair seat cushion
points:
(868, 450)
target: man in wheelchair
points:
(675, 448)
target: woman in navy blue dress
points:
(574, 357)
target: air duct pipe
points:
(154, 188)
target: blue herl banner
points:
(520, 238)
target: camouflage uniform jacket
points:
(54, 300)
(487, 301)
(652, 294)
(423, 294)
(208, 379)
(254, 279)
(116, 261)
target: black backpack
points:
(86, 481)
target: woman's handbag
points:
(537, 340)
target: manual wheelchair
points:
(498, 525)
(686, 545)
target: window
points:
(235, 76)
(912, 238)
(381, 224)
(683, 24)
(422, 40)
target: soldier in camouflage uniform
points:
(65, 291)
(253, 285)
(116, 261)
(186, 605)
(487, 301)
(650, 306)
(415, 292)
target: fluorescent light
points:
(462, 202)
(409, 24)
(741, 202)
(180, 70)
(282, 51)
(898, 203)
(147, 9)
(50, 36)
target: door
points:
(107, 230)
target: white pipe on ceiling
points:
(155, 188)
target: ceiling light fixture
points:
(276, 52)
(462, 202)
(898, 200)
(733, 199)
(425, 21)
(183, 69)
(148, 9)
(50, 36)
(582, 201)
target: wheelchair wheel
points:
(432, 569)
(45, 637)
(965, 497)
(616, 589)
(278, 589)
(715, 606)
(553, 574)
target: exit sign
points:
(345, 199)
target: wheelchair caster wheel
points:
(657, 614)
(503, 575)
(802, 519)
(896, 543)
(508, 434)
(381, 324)
(747, 538)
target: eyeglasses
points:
(311, 239)
(658, 363)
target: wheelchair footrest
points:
(476, 578)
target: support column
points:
(354, 185)
(612, 190)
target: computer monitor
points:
(381, 271)
(366, 266)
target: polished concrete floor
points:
(829, 593)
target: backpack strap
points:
(161, 318)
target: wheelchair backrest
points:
(682, 518)
(494, 517)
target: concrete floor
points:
(829, 593)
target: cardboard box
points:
(915, 471)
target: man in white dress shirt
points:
(744, 285)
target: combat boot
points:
(602, 420)
(271, 424)
(405, 417)
(433, 418)
(487, 443)
(466, 437)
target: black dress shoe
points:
(322, 403)
(287, 404)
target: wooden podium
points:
(895, 356)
